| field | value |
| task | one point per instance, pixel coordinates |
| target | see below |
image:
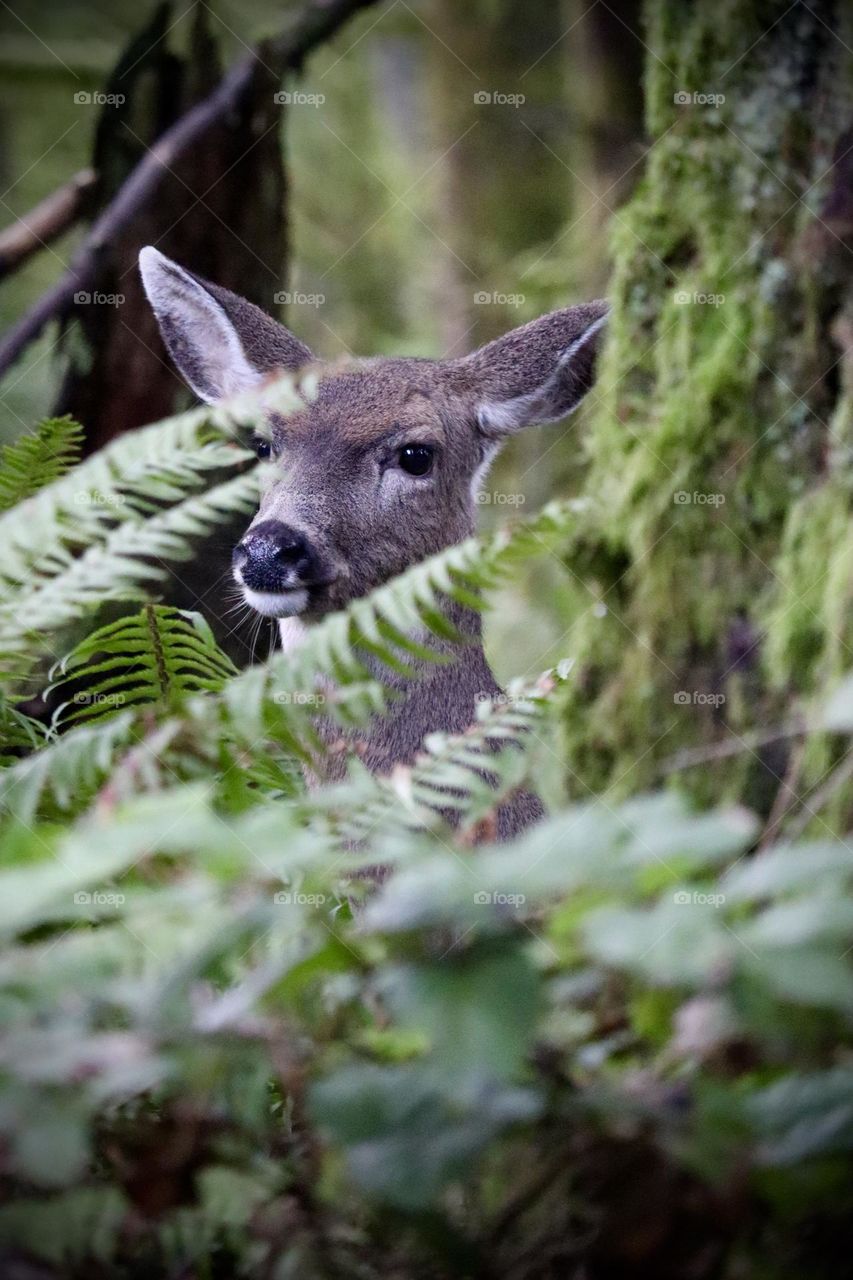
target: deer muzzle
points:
(277, 568)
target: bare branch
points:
(44, 223)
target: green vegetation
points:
(225, 1052)
(621, 1045)
(718, 532)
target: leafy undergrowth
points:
(619, 1045)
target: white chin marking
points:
(277, 604)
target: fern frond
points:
(273, 707)
(361, 648)
(126, 565)
(68, 770)
(134, 476)
(471, 773)
(19, 733)
(38, 459)
(409, 613)
(143, 749)
(159, 655)
(353, 656)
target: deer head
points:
(383, 468)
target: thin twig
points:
(692, 756)
(785, 796)
(44, 223)
(813, 803)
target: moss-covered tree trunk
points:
(717, 547)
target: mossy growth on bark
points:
(717, 539)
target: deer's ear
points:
(537, 373)
(220, 343)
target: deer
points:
(380, 470)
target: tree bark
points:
(717, 544)
(119, 374)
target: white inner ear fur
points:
(214, 364)
(500, 418)
(479, 476)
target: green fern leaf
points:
(19, 734)
(38, 459)
(159, 655)
(470, 773)
(135, 476)
(67, 771)
(132, 478)
(352, 656)
(126, 564)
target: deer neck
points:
(434, 697)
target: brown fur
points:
(336, 482)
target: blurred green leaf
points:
(478, 1010)
(404, 1137)
(802, 1116)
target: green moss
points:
(717, 383)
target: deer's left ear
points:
(537, 373)
(221, 343)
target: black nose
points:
(274, 557)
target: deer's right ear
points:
(534, 374)
(220, 343)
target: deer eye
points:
(262, 447)
(416, 459)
